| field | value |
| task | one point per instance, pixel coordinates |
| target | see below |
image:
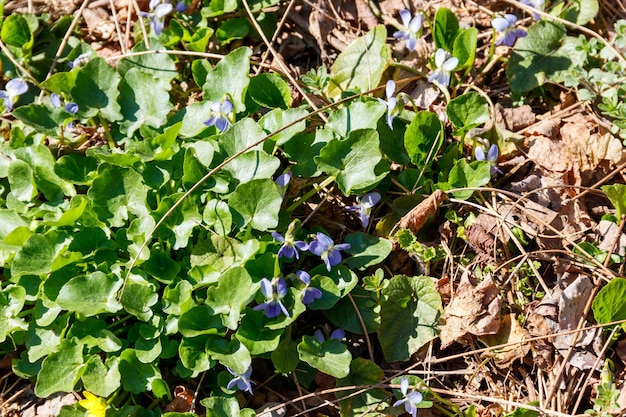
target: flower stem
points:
(310, 193)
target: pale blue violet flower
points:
(505, 25)
(364, 206)
(71, 108)
(325, 248)
(290, 246)
(242, 382)
(310, 293)
(220, 115)
(410, 400)
(274, 291)
(157, 14)
(492, 157)
(181, 6)
(338, 334)
(537, 4)
(444, 64)
(80, 60)
(412, 28)
(394, 106)
(283, 179)
(13, 89)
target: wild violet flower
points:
(79, 61)
(394, 106)
(338, 334)
(274, 291)
(364, 206)
(157, 14)
(310, 293)
(242, 382)
(412, 28)
(491, 157)
(325, 248)
(410, 400)
(13, 89)
(71, 108)
(181, 6)
(505, 25)
(444, 64)
(95, 406)
(290, 246)
(220, 115)
(537, 4)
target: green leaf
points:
(231, 77)
(90, 294)
(48, 182)
(409, 316)
(465, 47)
(21, 179)
(43, 340)
(285, 358)
(137, 377)
(9, 221)
(610, 302)
(616, 193)
(278, 118)
(15, 32)
(423, 138)
(200, 39)
(343, 314)
(116, 192)
(161, 66)
(139, 296)
(467, 111)
(232, 29)
(229, 353)
(102, 379)
(360, 66)
(161, 266)
(581, 12)
(357, 115)
(34, 257)
(446, 29)
(258, 202)
(39, 117)
(242, 135)
(252, 165)
(60, 371)
(193, 354)
(253, 334)
(269, 90)
(199, 321)
(331, 357)
(75, 168)
(95, 91)
(233, 291)
(221, 406)
(177, 300)
(12, 298)
(362, 373)
(366, 250)
(217, 215)
(463, 174)
(537, 56)
(145, 100)
(352, 161)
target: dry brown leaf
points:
(415, 219)
(510, 331)
(481, 234)
(474, 309)
(365, 14)
(182, 402)
(515, 118)
(547, 153)
(543, 352)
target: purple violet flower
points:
(492, 157)
(13, 89)
(80, 60)
(157, 14)
(364, 206)
(338, 334)
(325, 248)
(444, 64)
(290, 247)
(410, 400)
(394, 106)
(537, 4)
(412, 28)
(181, 6)
(506, 26)
(273, 304)
(310, 294)
(220, 115)
(242, 382)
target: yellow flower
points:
(96, 406)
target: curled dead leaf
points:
(510, 331)
(415, 219)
